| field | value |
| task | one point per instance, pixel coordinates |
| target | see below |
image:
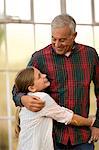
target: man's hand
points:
(94, 134)
(32, 103)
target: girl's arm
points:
(78, 120)
(64, 115)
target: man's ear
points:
(75, 34)
(31, 89)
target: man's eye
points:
(53, 39)
(62, 40)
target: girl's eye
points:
(39, 76)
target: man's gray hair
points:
(62, 21)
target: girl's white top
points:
(36, 127)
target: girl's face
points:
(40, 81)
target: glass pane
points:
(20, 43)
(96, 38)
(3, 109)
(42, 35)
(14, 139)
(2, 48)
(1, 8)
(45, 11)
(92, 101)
(3, 135)
(93, 108)
(97, 145)
(12, 76)
(18, 8)
(96, 4)
(85, 35)
(80, 10)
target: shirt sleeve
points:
(17, 97)
(56, 112)
(96, 87)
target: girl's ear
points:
(31, 89)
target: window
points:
(44, 11)
(18, 9)
(96, 4)
(80, 10)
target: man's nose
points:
(57, 43)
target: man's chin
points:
(60, 52)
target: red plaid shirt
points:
(70, 79)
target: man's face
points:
(62, 39)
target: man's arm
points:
(32, 103)
(96, 88)
(17, 96)
(95, 128)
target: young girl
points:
(36, 127)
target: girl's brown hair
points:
(24, 79)
(17, 122)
